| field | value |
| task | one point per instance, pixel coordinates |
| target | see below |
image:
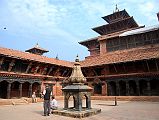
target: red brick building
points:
(124, 61)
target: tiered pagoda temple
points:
(123, 61)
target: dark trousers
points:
(46, 107)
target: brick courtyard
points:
(126, 110)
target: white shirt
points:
(53, 103)
(45, 92)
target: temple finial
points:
(77, 58)
(37, 45)
(116, 8)
(57, 57)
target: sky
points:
(58, 25)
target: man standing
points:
(47, 94)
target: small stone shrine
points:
(78, 90)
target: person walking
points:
(47, 94)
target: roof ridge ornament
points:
(116, 8)
(37, 45)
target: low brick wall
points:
(121, 98)
(106, 98)
(127, 98)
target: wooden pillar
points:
(30, 90)
(65, 101)
(148, 88)
(20, 90)
(104, 88)
(127, 88)
(117, 88)
(156, 65)
(8, 90)
(109, 89)
(137, 88)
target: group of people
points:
(50, 103)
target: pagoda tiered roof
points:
(37, 50)
(114, 27)
(33, 57)
(116, 16)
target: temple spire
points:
(116, 8)
(57, 57)
(77, 75)
(37, 45)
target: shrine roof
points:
(37, 47)
(141, 30)
(102, 30)
(134, 54)
(116, 15)
(116, 34)
(33, 57)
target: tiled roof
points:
(37, 47)
(134, 54)
(33, 57)
(117, 34)
(141, 30)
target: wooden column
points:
(8, 90)
(30, 90)
(20, 90)
(127, 88)
(137, 88)
(109, 89)
(117, 88)
(156, 65)
(148, 88)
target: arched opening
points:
(97, 88)
(154, 87)
(25, 89)
(36, 88)
(84, 101)
(112, 91)
(122, 87)
(143, 87)
(15, 89)
(132, 88)
(71, 102)
(3, 89)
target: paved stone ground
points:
(124, 111)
